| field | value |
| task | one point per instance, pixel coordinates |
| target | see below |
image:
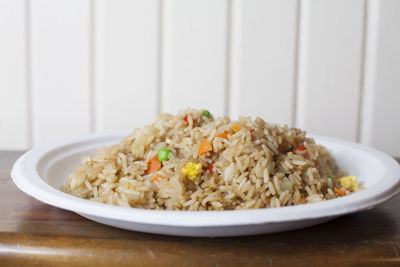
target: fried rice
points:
(209, 164)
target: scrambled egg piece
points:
(349, 182)
(191, 170)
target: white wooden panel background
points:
(126, 36)
(330, 54)
(14, 103)
(264, 41)
(60, 68)
(194, 54)
(381, 109)
(71, 67)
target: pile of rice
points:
(259, 166)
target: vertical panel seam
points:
(362, 72)
(228, 54)
(236, 47)
(296, 63)
(371, 35)
(92, 63)
(28, 74)
(159, 90)
(302, 58)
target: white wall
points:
(71, 67)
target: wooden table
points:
(33, 233)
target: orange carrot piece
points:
(224, 135)
(210, 168)
(153, 165)
(186, 119)
(299, 148)
(157, 177)
(252, 130)
(340, 192)
(204, 147)
(236, 128)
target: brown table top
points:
(33, 233)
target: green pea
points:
(89, 197)
(206, 113)
(163, 154)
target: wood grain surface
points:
(33, 233)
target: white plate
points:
(41, 171)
